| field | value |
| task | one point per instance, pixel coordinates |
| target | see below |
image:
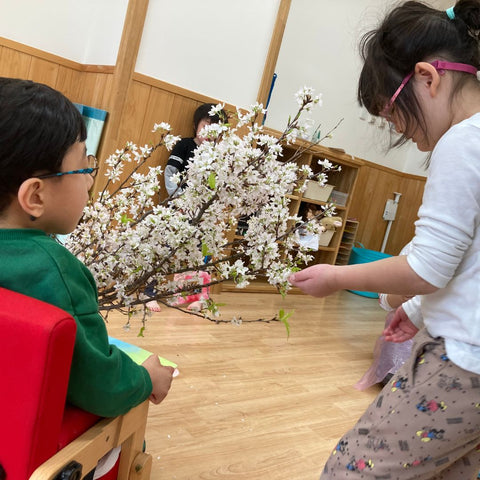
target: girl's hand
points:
(317, 280)
(401, 328)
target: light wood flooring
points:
(250, 403)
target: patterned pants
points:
(424, 425)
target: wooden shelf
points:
(339, 248)
(318, 202)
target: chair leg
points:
(126, 430)
(132, 446)
(141, 467)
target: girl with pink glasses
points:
(420, 72)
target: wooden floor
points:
(250, 403)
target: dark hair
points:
(414, 32)
(202, 113)
(37, 126)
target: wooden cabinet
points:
(344, 184)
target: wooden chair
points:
(41, 437)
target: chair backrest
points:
(36, 347)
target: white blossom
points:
(130, 240)
(161, 127)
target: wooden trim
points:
(50, 57)
(273, 51)
(98, 68)
(176, 90)
(318, 149)
(35, 52)
(393, 171)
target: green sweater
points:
(103, 380)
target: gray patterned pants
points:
(424, 425)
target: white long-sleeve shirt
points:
(446, 247)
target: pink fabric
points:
(388, 357)
(193, 278)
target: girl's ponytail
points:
(467, 15)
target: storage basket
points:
(364, 255)
(325, 238)
(315, 191)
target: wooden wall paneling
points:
(181, 116)
(361, 196)
(130, 127)
(160, 107)
(375, 185)
(403, 228)
(96, 90)
(70, 83)
(13, 63)
(43, 71)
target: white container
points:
(339, 198)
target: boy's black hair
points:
(37, 126)
(414, 32)
(202, 112)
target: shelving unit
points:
(348, 240)
(344, 183)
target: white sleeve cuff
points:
(413, 310)
(383, 302)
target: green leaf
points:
(205, 251)
(125, 219)
(212, 180)
(140, 333)
(283, 317)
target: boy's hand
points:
(161, 378)
(401, 328)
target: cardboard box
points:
(325, 238)
(315, 191)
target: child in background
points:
(46, 178)
(388, 357)
(178, 163)
(420, 73)
(183, 150)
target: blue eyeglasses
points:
(91, 170)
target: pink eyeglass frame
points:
(440, 66)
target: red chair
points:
(41, 438)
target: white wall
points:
(320, 49)
(214, 47)
(219, 47)
(87, 31)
